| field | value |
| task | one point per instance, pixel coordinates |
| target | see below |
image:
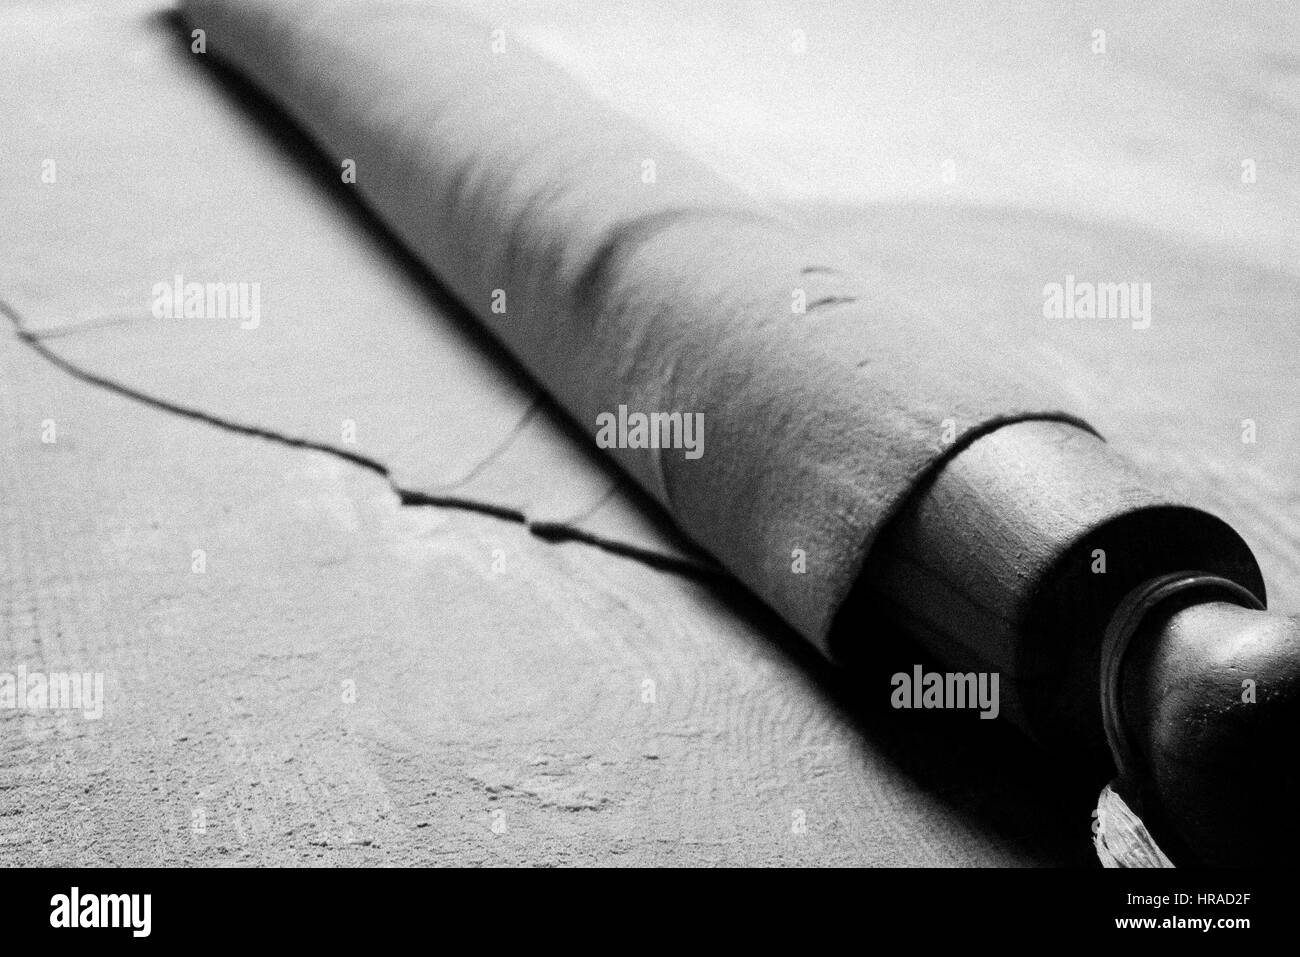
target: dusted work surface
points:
(502, 708)
(468, 668)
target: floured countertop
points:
(354, 680)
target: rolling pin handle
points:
(1200, 693)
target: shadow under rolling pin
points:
(504, 173)
(1118, 621)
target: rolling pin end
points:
(1209, 697)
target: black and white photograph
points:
(650, 434)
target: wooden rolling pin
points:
(628, 273)
(1116, 621)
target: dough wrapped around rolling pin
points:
(854, 462)
(622, 272)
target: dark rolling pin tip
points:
(1038, 553)
(1208, 695)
